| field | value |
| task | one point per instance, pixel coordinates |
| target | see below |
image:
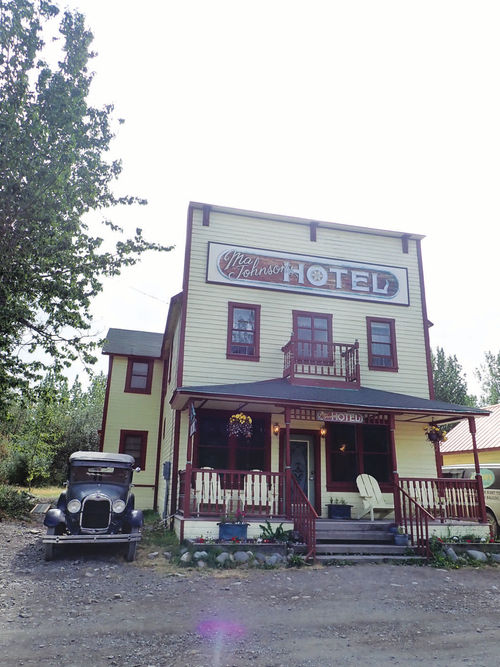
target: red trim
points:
(185, 287)
(394, 348)
(313, 226)
(425, 321)
(149, 378)
(175, 463)
(231, 305)
(343, 384)
(106, 403)
(206, 215)
(144, 444)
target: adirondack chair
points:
(372, 498)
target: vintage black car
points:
(97, 506)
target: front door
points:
(302, 463)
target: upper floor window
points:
(134, 443)
(243, 331)
(382, 355)
(139, 376)
(313, 336)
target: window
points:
(353, 449)
(313, 336)
(216, 449)
(382, 354)
(243, 331)
(139, 376)
(134, 443)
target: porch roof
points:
(279, 392)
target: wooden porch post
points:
(189, 465)
(480, 490)
(395, 493)
(288, 466)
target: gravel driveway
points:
(93, 608)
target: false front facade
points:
(295, 359)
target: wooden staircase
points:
(358, 541)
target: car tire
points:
(132, 548)
(50, 546)
(490, 517)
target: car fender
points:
(54, 517)
(136, 518)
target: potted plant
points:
(401, 538)
(240, 425)
(435, 434)
(233, 527)
(338, 509)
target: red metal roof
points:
(487, 434)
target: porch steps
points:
(358, 541)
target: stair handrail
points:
(414, 518)
(304, 518)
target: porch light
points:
(322, 431)
(276, 429)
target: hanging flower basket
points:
(240, 425)
(435, 434)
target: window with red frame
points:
(139, 376)
(243, 331)
(353, 449)
(313, 336)
(382, 354)
(135, 444)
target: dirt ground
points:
(90, 607)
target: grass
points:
(43, 493)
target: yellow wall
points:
(206, 328)
(138, 412)
(485, 456)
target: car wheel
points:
(493, 524)
(132, 548)
(50, 547)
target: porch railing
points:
(212, 492)
(304, 518)
(445, 498)
(329, 361)
(413, 517)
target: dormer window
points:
(243, 331)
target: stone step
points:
(355, 526)
(389, 549)
(343, 536)
(354, 559)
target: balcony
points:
(329, 364)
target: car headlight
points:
(74, 506)
(118, 506)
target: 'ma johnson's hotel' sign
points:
(269, 269)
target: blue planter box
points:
(229, 530)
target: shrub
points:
(15, 504)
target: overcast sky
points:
(378, 114)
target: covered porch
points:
(272, 490)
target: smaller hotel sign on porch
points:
(269, 269)
(341, 417)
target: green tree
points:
(489, 376)
(450, 384)
(53, 171)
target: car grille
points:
(95, 514)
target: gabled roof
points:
(487, 434)
(280, 392)
(133, 343)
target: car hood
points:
(111, 491)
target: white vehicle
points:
(490, 473)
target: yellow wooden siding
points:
(206, 327)
(485, 456)
(415, 454)
(137, 412)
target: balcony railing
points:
(212, 492)
(330, 362)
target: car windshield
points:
(97, 473)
